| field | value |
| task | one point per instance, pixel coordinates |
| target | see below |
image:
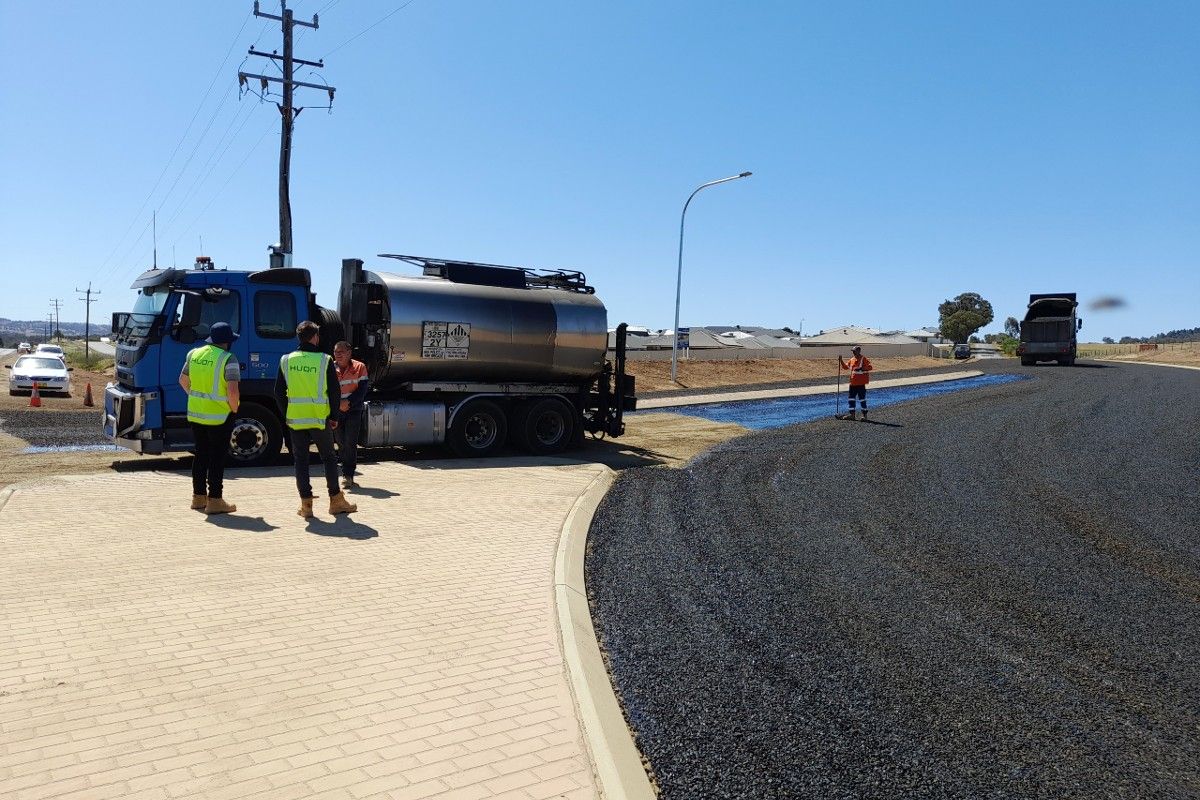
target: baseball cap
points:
(221, 333)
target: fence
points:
(782, 353)
(1094, 351)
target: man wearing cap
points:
(859, 368)
(210, 377)
(307, 391)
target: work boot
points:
(849, 415)
(216, 505)
(864, 416)
(199, 501)
(349, 483)
(339, 505)
(305, 509)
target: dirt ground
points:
(655, 376)
(1187, 354)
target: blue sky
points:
(902, 152)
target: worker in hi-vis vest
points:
(210, 377)
(859, 369)
(307, 391)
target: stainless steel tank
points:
(442, 330)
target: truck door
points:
(276, 315)
(190, 316)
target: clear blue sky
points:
(902, 152)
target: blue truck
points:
(475, 356)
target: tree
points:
(962, 316)
(1108, 340)
(1012, 327)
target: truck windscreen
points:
(146, 309)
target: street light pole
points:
(679, 271)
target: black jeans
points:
(323, 439)
(347, 439)
(212, 443)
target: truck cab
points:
(145, 409)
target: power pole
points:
(57, 303)
(87, 320)
(282, 254)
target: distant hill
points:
(1181, 335)
(28, 330)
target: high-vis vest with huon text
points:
(308, 397)
(208, 397)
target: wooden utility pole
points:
(87, 320)
(288, 113)
(57, 303)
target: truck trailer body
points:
(471, 355)
(1048, 332)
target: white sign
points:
(445, 339)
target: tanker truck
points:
(474, 356)
(1048, 331)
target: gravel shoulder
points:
(997, 597)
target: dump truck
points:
(1049, 329)
(470, 355)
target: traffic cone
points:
(87, 396)
(35, 399)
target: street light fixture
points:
(679, 272)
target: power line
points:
(87, 320)
(369, 27)
(178, 144)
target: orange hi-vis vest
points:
(860, 367)
(350, 377)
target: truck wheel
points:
(1027, 362)
(256, 436)
(479, 429)
(545, 426)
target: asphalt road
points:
(995, 594)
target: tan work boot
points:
(199, 501)
(339, 505)
(216, 505)
(305, 509)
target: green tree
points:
(1012, 327)
(1108, 340)
(962, 316)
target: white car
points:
(51, 350)
(24, 347)
(51, 374)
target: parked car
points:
(962, 351)
(51, 374)
(51, 350)
(24, 347)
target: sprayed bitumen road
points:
(997, 594)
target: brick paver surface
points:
(407, 651)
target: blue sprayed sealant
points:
(781, 411)
(66, 448)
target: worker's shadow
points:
(342, 526)
(884, 424)
(370, 491)
(235, 523)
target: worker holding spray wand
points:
(859, 368)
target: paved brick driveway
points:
(408, 651)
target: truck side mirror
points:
(119, 318)
(1078, 324)
(190, 315)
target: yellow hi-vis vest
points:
(208, 399)
(308, 397)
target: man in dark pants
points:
(860, 375)
(352, 377)
(306, 390)
(210, 377)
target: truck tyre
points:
(544, 427)
(479, 429)
(1027, 362)
(256, 436)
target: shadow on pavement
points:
(884, 424)
(343, 526)
(371, 491)
(235, 523)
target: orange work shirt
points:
(859, 368)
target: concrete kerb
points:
(795, 391)
(615, 758)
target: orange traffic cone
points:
(87, 396)
(35, 399)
